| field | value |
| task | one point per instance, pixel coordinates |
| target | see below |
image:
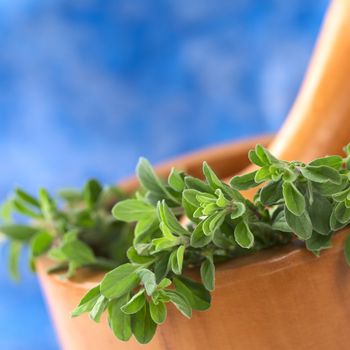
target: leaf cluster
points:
(185, 222)
(172, 225)
(75, 229)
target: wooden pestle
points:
(319, 121)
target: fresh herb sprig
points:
(173, 225)
(76, 229)
(186, 222)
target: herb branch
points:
(152, 238)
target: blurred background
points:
(86, 87)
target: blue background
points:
(89, 86)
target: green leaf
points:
(146, 224)
(120, 281)
(347, 250)
(238, 210)
(320, 212)
(208, 273)
(24, 210)
(271, 193)
(213, 181)
(148, 177)
(135, 303)
(15, 249)
(19, 232)
(244, 182)
(243, 235)
(55, 253)
(334, 223)
(263, 174)
(119, 322)
(6, 211)
(191, 197)
(143, 326)
(330, 161)
(321, 174)
(98, 309)
(216, 220)
(318, 242)
(79, 252)
(221, 201)
(161, 266)
(253, 157)
(170, 220)
(176, 259)
(198, 238)
(197, 184)
(163, 243)
(221, 240)
(91, 192)
(27, 198)
(87, 302)
(264, 155)
(280, 223)
(135, 258)
(207, 198)
(289, 175)
(47, 204)
(71, 195)
(294, 200)
(329, 188)
(180, 302)
(148, 279)
(206, 225)
(341, 196)
(158, 312)
(342, 213)
(40, 243)
(210, 209)
(188, 207)
(198, 213)
(70, 236)
(165, 282)
(176, 181)
(131, 210)
(195, 293)
(180, 257)
(301, 225)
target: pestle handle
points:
(319, 121)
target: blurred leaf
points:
(18, 232)
(91, 192)
(15, 248)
